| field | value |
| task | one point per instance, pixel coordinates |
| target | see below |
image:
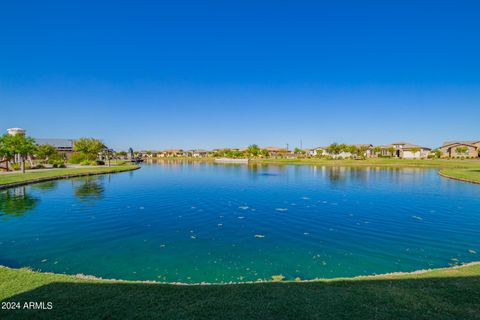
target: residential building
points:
(199, 153)
(275, 151)
(63, 146)
(455, 149)
(171, 153)
(316, 152)
(405, 150)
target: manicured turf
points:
(438, 294)
(470, 174)
(372, 162)
(8, 178)
(383, 162)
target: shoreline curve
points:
(64, 176)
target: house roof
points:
(407, 145)
(274, 149)
(363, 145)
(466, 143)
(57, 143)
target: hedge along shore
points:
(21, 179)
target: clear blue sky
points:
(160, 74)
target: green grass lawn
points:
(467, 174)
(51, 173)
(437, 294)
(384, 162)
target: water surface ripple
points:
(202, 222)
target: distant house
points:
(147, 154)
(171, 153)
(319, 151)
(323, 151)
(63, 146)
(405, 150)
(367, 149)
(275, 152)
(454, 149)
(199, 153)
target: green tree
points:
(17, 145)
(461, 150)
(391, 151)
(415, 150)
(352, 149)
(298, 151)
(437, 153)
(362, 151)
(7, 150)
(264, 152)
(377, 150)
(334, 148)
(253, 150)
(89, 147)
(47, 152)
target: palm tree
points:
(377, 150)
(391, 151)
(415, 150)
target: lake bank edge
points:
(62, 175)
(422, 273)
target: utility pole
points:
(287, 146)
(301, 144)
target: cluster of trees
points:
(252, 151)
(336, 149)
(88, 148)
(17, 149)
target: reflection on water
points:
(45, 186)
(194, 221)
(89, 189)
(16, 202)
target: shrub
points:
(15, 166)
(38, 166)
(77, 158)
(57, 163)
(100, 162)
(88, 163)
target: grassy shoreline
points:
(17, 179)
(447, 293)
(463, 174)
(371, 162)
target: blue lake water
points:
(193, 222)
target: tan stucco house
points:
(456, 149)
(405, 150)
